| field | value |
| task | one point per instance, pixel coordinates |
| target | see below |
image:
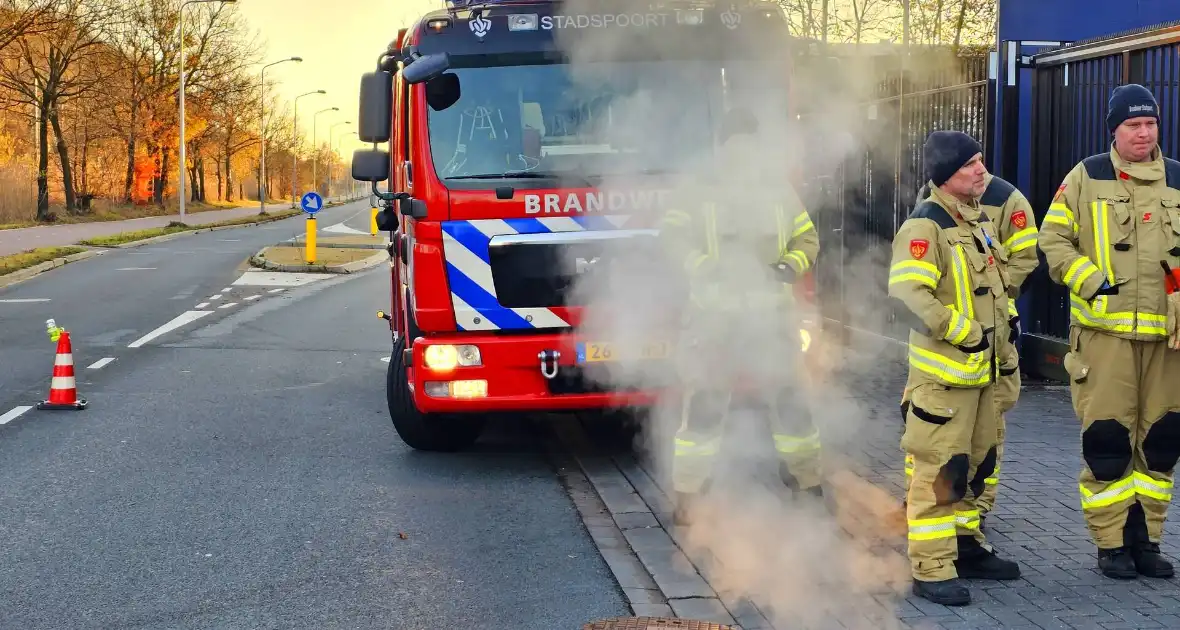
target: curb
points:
(16, 277)
(358, 265)
(169, 237)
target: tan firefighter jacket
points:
(1112, 222)
(727, 248)
(1012, 216)
(948, 270)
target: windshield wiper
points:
(525, 175)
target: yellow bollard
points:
(310, 240)
(373, 221)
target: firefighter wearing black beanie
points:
(947, 271)
(1109, 236)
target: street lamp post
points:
(294, 151)
(315, 147)
(262, 165)
(181, 162)
(330, 129)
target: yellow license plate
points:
(595, 351)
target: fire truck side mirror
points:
(376, 107)
(370, 165)
(424, 68)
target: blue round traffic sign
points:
(311, 202)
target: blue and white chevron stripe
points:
(469, 271)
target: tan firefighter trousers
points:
(1127, 395)
(708, 371)
(951, 434)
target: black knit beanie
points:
(1130, 101)
(946, 152)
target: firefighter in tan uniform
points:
(1112, 228)
(1012, 216)
(948, 270)
(743, 249)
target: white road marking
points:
(385, 359)
(279, 279)
(202, 305)
(253, 297)
(101, 363)
(178, 321)
(23, 300)
(227, 289)
(227, 305)
(276, 290)
(341, 228)
(13, 415)
(229, 240)
(136, 269)
(215, 297)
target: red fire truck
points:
(501, 122)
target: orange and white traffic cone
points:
(63, 390)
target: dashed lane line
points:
(23, 300)
(253, 297)
(184, 318)
(202, 305)
(227, 305)
(14, 414)
(136, 269)
(101, 363)
(279, 290)
(215, 297)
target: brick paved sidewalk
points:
(1037, 521)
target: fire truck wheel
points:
(423, 431)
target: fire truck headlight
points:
(447, 357)
(805, 339)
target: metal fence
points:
(860, 199)
(1071, 87)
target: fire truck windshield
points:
(587, 120)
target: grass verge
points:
(112, 240)
(327, 256)
(32, 257)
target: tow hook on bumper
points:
(549, 360)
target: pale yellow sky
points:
(339, 40)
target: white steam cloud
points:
(788, 555)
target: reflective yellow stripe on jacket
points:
(976, 370)
(1021, 240)
(801, 225)
(1093, 313)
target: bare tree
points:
(45, 68)
(22, 17)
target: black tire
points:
(421, 431)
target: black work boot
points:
(950, 592)
(1117, 563)
(1145, 554)
(978, 563)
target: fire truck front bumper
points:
(505, 373)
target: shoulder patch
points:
(997, 193)
(1019, 219)
(1099, 167)
(1172, 173)
(934, 212)
(919, 247)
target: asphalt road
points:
(241, 471)
(109, 301)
